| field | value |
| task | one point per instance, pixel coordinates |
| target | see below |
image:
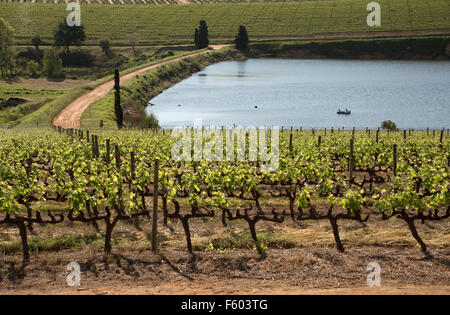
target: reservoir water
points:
(308, 93)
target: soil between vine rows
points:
(309, 270)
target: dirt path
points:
(235, 287)
(70, 116)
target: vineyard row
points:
(129, 174)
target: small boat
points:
(344, 112)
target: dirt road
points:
(233, 287)
(70, 116)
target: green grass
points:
(53, 244)
(43, 117)
(263, 20)
(35, 100)
(102, 109)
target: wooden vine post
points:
(133, 177)
(394, 168)
(97, 150)
(290, 144)
(93, 146)
(108, 151)
(117, 154)
(133, 165)
(155, 209)
(350, 161)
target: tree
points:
(133, 39)
(52, 64)
(196, 37)
(389, 125)
(6, 48)
(117, 108)
(241, 39)
(36, 41)
(66, 36)
(104, 44)
(201, 35)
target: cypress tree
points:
(117, 108)
(202, 38)
(241, 39)
(196, 38)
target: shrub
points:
(105, 45)
(162, 55)
(33, 68)
(52, 64)
(36, 41)
(148, 121)
(30, 54)
(389, 125)
(76, 58)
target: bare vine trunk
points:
(23, 235)
(108, 234)
(251, 225)
(187, 231)
(412, 228)
(337, 239)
